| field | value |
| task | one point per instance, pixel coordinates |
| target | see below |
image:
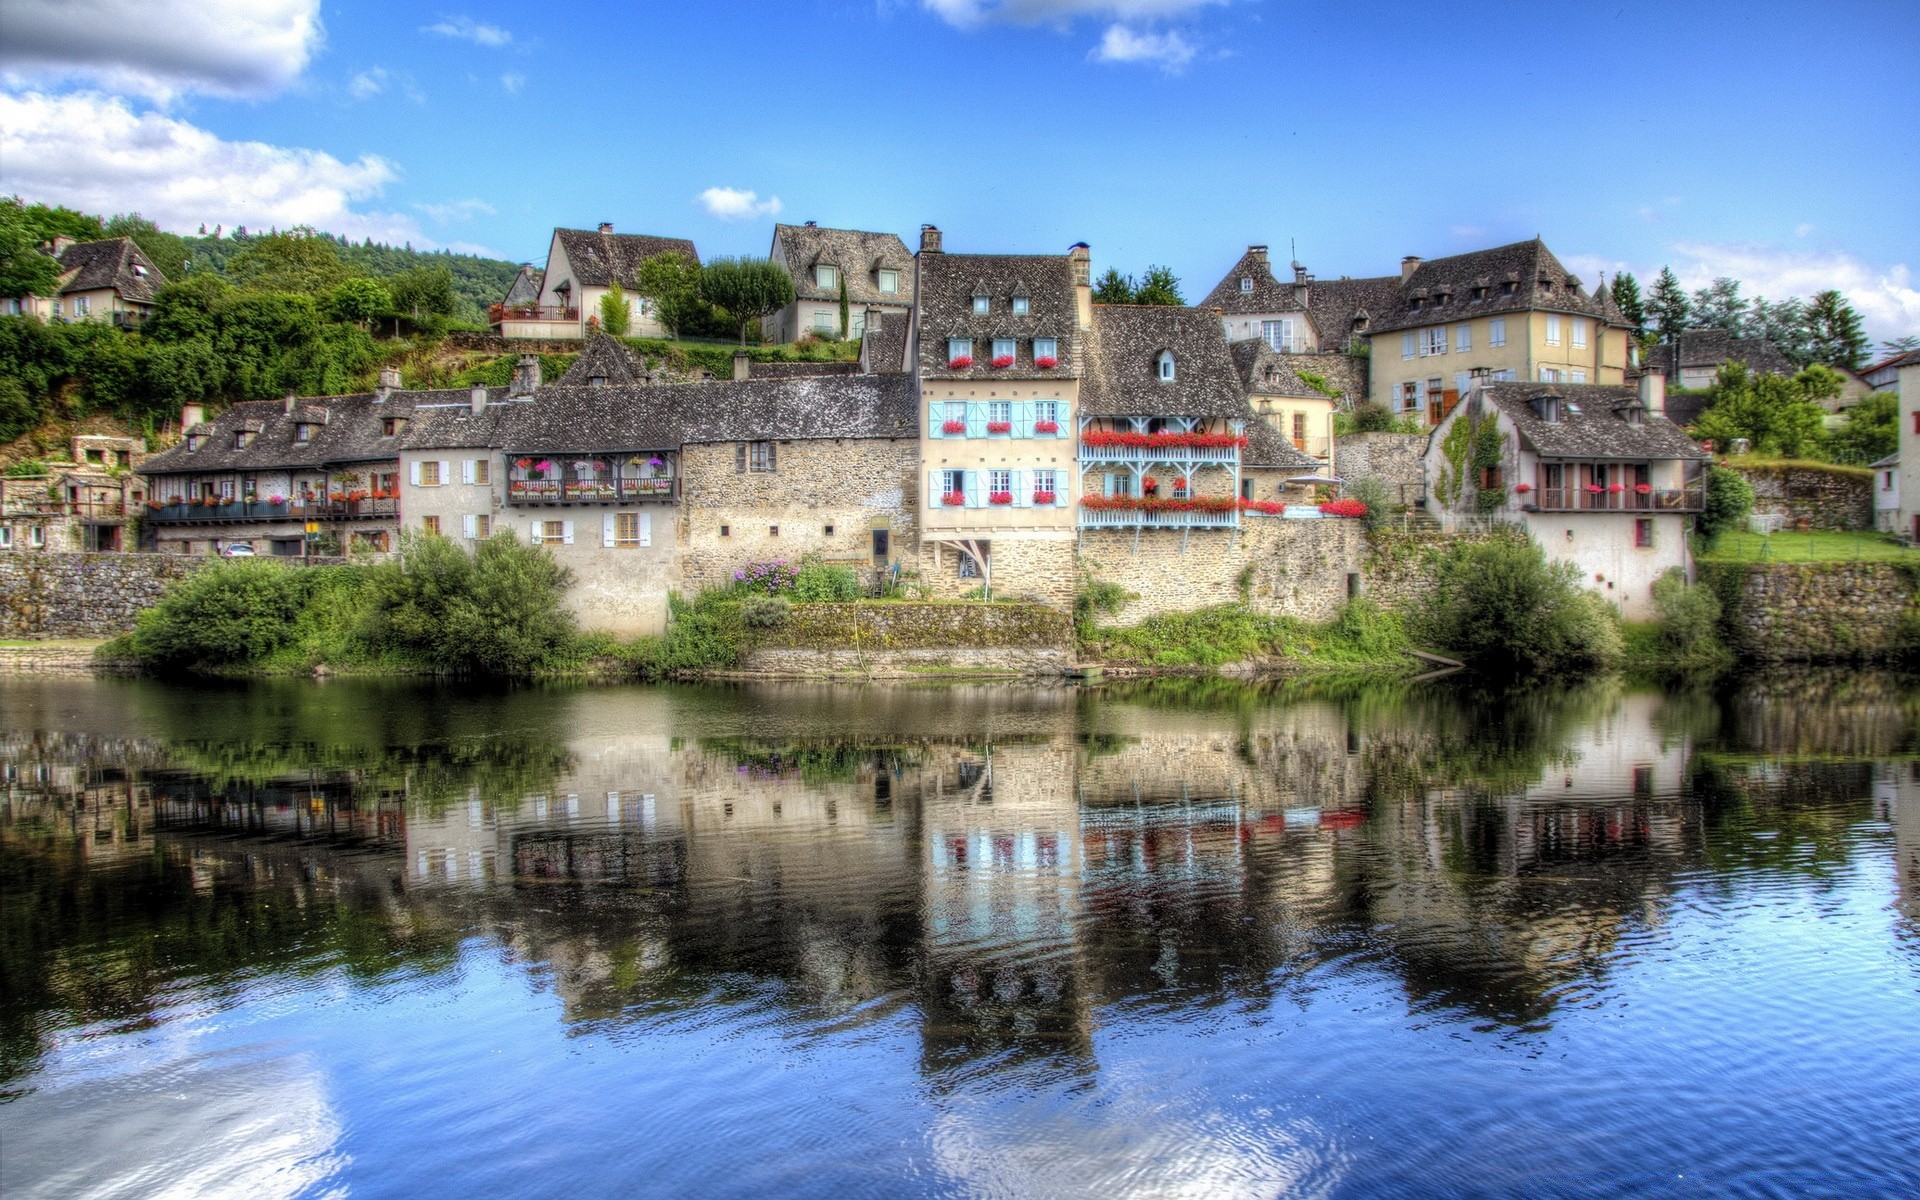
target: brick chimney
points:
(1080, 256)
(606, 227)
(742, 366)
(389, 381)
(526, 376)
(478, 399)
(1408, 266)
(929, 239)
(58, 245)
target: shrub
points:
(226, 615)
(1729, 498)
(1500, 605)
(1371, 491)
(1689, 618)
(497, 612)
(765, 612)
(819, 583)
(768, 578)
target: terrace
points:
(592, 479)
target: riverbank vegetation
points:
(1363, 636)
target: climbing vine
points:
(1473, 448)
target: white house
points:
(873, 271)
(582, 266)
(1886, 494)
(1908, 387)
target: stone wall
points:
(1825, 497)
(891, 637)
(83, 595)
(1281, 565)
(52, 658)
(1344, 373)
(1034, 567)
(1813, 612)
(1396, 459)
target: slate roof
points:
(1540, 281)
(1268, 449)
(1265, 371)
(948, 283)
(883, 349)
(453, 425)
(801, 370)
(346, 429)
(110, 263)
(606, 358)
(526, 285)
(598, 259)
(1597, 430)
(1121, 373)
(1907, 359)
(1333, 304)
(560, 420)
(1269, 295)
(1711, 347)
(858, 254)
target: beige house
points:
(1298, 412)
(582, 265)
(873, 272)
(111, 280)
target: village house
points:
(1596, 474)
(1884, 376)
(1907, 522)
(1692, 361)
(110, 280)
(1325, 320)
(582, 266)
(87, 503)
(1297, 410)
(840, 278)
(1886, 494)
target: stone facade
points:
(1280, 565)
(1813, 612)
(1033, 566)
(1344, 373)
(891, 638)
(1396, 459)
(83, 595)
(1823, 497)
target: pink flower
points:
(999, 497)
(1643, 488)
(1044, 497)
(1046, 362)
(1003, 361)
(1523, 488)
(999, 426)
(953, 427)
(954, 499)
(1618, 487)
(1046, 427)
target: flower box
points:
(1344, 508)
(1523, 488)
(1163, 441)
(1002, 361)
(999, 497)
(1046, 427)
(1594, 489)
(1271, 508)
(1046, 362)
(954, 499)
(1617, 488)
(1645, 489)
(953, 428)
(1044, 498)
(999, 426)
(960, 364)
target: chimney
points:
(1653, 393)
(742, 366)
(1257, 254)
(290, 402)
(606, 227)
(192, 413)
(929, 239)
(478, 399)
(1081, 259)
(1300, 275)
(1408, 266)
(59, 245)
(813, 224)
(389, 381)
(526, 376)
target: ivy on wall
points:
(1472, 447)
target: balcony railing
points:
(105, 510)
(1168, 454)
(179, 512)
(1581, 499)
(496, 313)
(1141, 518)
(556, 491)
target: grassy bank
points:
(1742, 546)
(1364, 637)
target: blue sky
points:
(1775, 142)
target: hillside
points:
(477, 282)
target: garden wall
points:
(1814, 612)
(1396, 459)
(891, 637)
(55, 595)
(1825, 497)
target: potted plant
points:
(1046, 362)
(953, 428)
(953, 499)
(999, 497)
(1046, 427)
(1002, 361)
(999, 426)
(1044, 497)
(959, 362)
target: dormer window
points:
(1633, 414)
(1246, 287)
(889, 282)
(826, 276)
(1480, 292)
(242, 439)
(1020, 306)
(302, 433)
(1550, 408)
(596, 381)
(1163, 366)
(194, 440)
(389, 426)
(139, 272)
(980, 306)
(1507, 288)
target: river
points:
(1174, 939)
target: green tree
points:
(359, 301)
(1667, 306)
(1626, 294)
(24, 269)
(1870, 432)
(1158, 286)
(498, 611)
(1500, 605)
(1784, 325)
(746, 289)
(1728, 500)
(301, 260)
(1113, 288)
(1689, 616)
(167, 250)
(1837, 336)
(224, 615)
(845, 315)
(421, 292)
(1893, 347)
(616, 315)
(1720, 305)
(1776, 416)
(671, 285)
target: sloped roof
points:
(883, 349)
(1121, 377)
(605, 358)
(948, 283)
(1265, 371)
(1267, 448)
(526, 285)
(1269, 295)
(559, 420)
(1333, 305)
(115, 263)
(1711, 347)
(343, 429)
(1445, 288)
(599, 259)
(858, 254)
(1906, 359)
(1596, 430)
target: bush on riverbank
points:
(1362, 635)
(1500, 605)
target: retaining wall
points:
(55, 595)
(1814, 612)
(1396, 459)
(1825, 497)
(895, 638)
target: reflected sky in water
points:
(1185, 938)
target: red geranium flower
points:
(960, 363)
(1003, 361)
(1643, 488)
(999, 497)
(954, 427)
(1344, 508)
(999, 426)
(1046, 362)
(1046, 427)
(954, 499)
(1044, 497)
(1523, 488)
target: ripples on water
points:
(1199, 940)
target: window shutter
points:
(606, 530)
(469, 526)
(646, 529)
(566, 533)
(446, 472)
(466, 470)
(533, 534)
(413, 473)
(740, 459)
(1022, 496)
(1406, 345)
(773, 456)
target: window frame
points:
(959, 348)
(1166, 370)
(1005, 347)
(1463, 337)
(825, 275)
(887, 280)
(763, 458)
(1496, 333)
(1409, 345)
(1021, 306)
(1052, 348)
(1577, 333)
(1433, 341)
(1553, 329)
(982, 305)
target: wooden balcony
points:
(1691, 499)
(228, 512)
(496, 313)
(1141, 518)
(615, 491)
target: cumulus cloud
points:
(1168, 51)
(733, 204)
(1885, 295)
(95, 154)
(161, 48)
(967, 14)
(456, 210)
(469, 30)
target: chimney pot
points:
(606, 227)
(1257, 253)
(813, 224)
(478, 399)
(929, 239)
(742, 365)
(389, 381)
(1653, 393)
(1082, 258)
(1408, 266)
(290, 401)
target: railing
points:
(1580, 499)
(1287, 345)
(497, 313)
(1141, 518)
(1168, 454)
(45, 507)
(178, 512)
(556, 491)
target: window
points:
(482, 471)
(1003, 348)
(1046, 348)
(1182, 487)
(952, 481)
(1497, 332)
(1549, 375)
(1406, 345)
(1299, 427)
(958, 348)
(626, 529)
(1490, 479)
(726, 531)
(37, 537)
(56, 308)
(6, 537)
(826, 276)
(824, 321)
(389, 426)
(1246, 489)
(1046, 482)
(889, 282)
(1462, 338)
(967, 567)
(828, 531)
(1643, 533)
(1579, 333)
(1433, 341)
(1278, 334)
(1246, 286)
(980, 306)
(881, 539)
(302, 432)
(1165, 366)
(1119, 484)
(80, 306)
(430, 524)
(762, 457)
(241, 439)
(1046, 410)
(429, 474)
(1000, 481)
(1553, 329)
(482, 526)
(1000, 411)
(1886, 481)
(1022, 306)
(1577, 376)
(1410, 395)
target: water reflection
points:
(1015, 876)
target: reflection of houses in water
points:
(1279, 757)
(1896, 795)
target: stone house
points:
(110, 280)
(89, 502)
(1597, 476)
(1693, 360)
(1322, 319)
(1297, 410)
(873, 271)
(582, 266)
(1886, 493)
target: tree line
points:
(1826, 330)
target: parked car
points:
(236, 550)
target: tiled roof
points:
(600, 258)
(859, 255)
(1269, 295)
(1908, 359)
(801, 370)
(604, 358)
(343, 429)
(1711, 347)
(948, 283)
(883, 350)
(661, 418)
(1334, 304)
(453, 425)
(1446, 288)
(110, 263)
(1266, 448)
(1596, 430)
(1265, 371)
(1121, 376)
(526, 285)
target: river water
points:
(1187, 939)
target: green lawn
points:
(1818, 546)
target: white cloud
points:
(95, 154)
(733, 204)
(513, 81)
(456, 210)
(161, 48)
(1885, 295)
(1168, 51)
(968, 14)
(469, 30)
(368, 84)
(1805, 229)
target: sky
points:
(1774, 142)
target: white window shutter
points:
(446, 472)
(606, 530)
(413, 473)
(533, 533)
(566, 533)
(469, 526)
(646, 529)
(466, 470)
